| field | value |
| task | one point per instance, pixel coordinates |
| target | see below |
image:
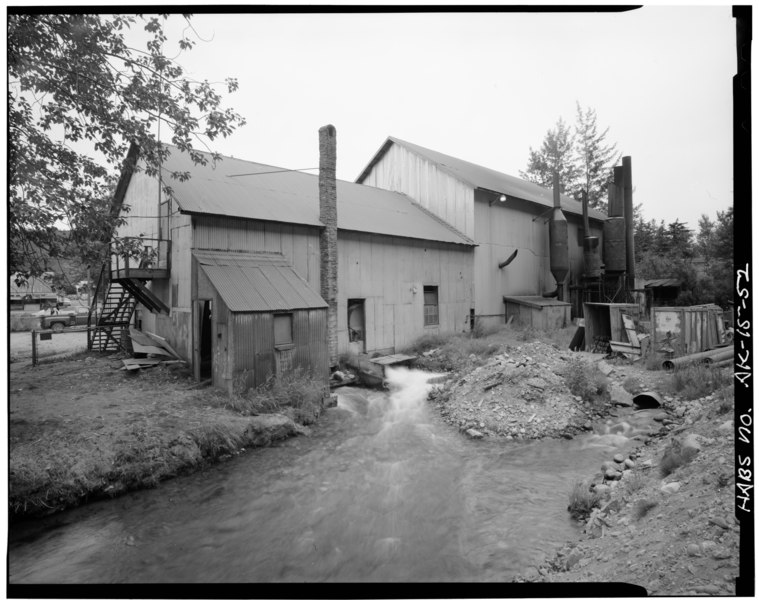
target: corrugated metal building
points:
(244, 245)
(502, 214)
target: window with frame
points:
(431, 308)
(283, 329)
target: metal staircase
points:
(108, 324)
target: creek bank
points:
(666, 522)
(83, 430)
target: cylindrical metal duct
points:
(591, 256)
(558, 235)
(615, 240)
(616, 196)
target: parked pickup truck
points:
(66, 318)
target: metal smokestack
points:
(629, 228)
(558, 236)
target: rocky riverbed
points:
(665, 517)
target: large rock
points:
(474, 434)
(620, 396)
(265, 429)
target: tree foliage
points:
(78, 96)
(580, 154)
(595, 158)
(703, 264)
(556, 154)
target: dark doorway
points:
(206, 349)
(356, 324)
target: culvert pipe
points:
(647, 400)
(708, 356)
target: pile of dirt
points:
(669, 524)
(520, 394)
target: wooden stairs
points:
(108, 328)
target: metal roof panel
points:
(257, 283)
(238, 188)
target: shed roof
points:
(257, 282)
(656, 283)
(240, 188)
(535, 301)
(484, 178)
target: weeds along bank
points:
(83, 429)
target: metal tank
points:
(558, 235)
(615, 247)
(591, 250)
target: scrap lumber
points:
(164, 344)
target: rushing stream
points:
(382, 490)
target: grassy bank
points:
(82, 429)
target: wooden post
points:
(34, 347)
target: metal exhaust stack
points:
(558, 236)
(629, 226)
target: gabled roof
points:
(484, 178)
(248, 190)
(257, 281)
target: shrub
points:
(582, 500)
(697, 381)
(297, 394)
(642, 507)
(454, 352)
(674, 457)
(585, 380)
(216, 440)
(634, 482)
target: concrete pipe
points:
(673, 363)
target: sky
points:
(484, 88)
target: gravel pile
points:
(519, 394)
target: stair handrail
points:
(93, 306)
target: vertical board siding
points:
(401, 170)
(383, 270)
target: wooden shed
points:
(545, 314)
(603, 323)
(687, 329)
(256, 318)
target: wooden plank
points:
(140, 349)
(391, 359)
(632, 335)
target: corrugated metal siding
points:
(254, 349)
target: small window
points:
(431, 311)
(283, 329)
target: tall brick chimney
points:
(328, 238)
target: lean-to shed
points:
(258, 318)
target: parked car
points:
(66, 318)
